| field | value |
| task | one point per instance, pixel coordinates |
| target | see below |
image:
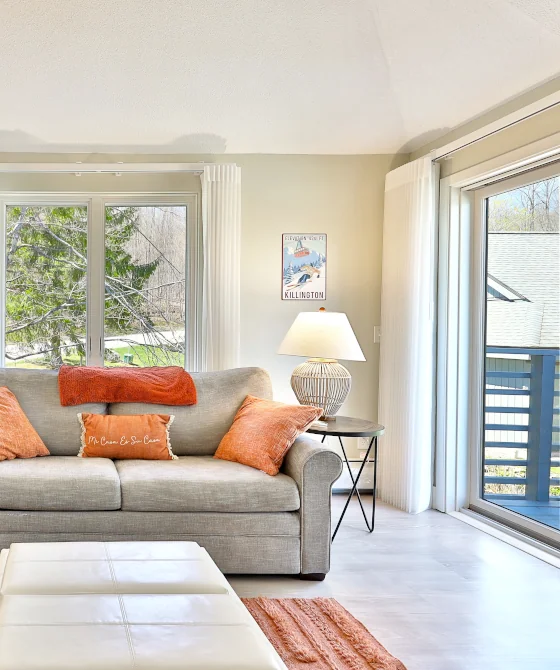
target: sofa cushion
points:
(18, 438)
(64, 483)
(203, 484)
(37, 394)
(263, 431)
(144, 436)
(198, 429)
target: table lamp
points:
(322, 381)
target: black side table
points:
(345, 426)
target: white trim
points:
(527, 544)
(496, 126)
(193, 296)
(477, 327)
(498, 513)
(78, 167)
(95, 282)
(512, 181)
(523, 158)
(455, 231)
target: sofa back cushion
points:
(37, 394)
(198, 429)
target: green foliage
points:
(124, 278)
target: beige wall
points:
(338, 195)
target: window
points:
(99, 281)
(46, 269)
(145, 265)
(521, 448)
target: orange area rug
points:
(319, 634)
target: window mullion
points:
(96, 281)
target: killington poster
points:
(304, 266)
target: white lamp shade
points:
(322, 335)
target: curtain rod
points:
(497, 126)
(79, 167)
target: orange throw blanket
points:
(159, 386)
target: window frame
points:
(95, 300)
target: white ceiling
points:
(262, 76)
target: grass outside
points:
(555, 490)
(141, 357)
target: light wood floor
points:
(438, 593)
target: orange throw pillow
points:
(18, 438)
(144, 436)
(263, 431)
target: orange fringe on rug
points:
(319, 634)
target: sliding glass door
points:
(517, 477)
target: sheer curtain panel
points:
(407, 353)
(221, 231)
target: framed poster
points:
(304, 266)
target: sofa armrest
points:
(314, 469)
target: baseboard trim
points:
(510, 536)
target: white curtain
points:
(221, 239)
(407, 354)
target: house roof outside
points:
(523, 300)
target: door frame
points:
(459, 393)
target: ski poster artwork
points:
(304, 266)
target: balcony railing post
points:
(540, 427)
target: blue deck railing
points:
(522, 417)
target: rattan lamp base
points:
(322, 382)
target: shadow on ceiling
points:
(18, 141)
(424, 139)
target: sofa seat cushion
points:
(203, 484)
(63, 483)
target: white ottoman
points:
(113, 605)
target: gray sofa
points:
(249, 522)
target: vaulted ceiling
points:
(262, 76)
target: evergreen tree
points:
(288, 274)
